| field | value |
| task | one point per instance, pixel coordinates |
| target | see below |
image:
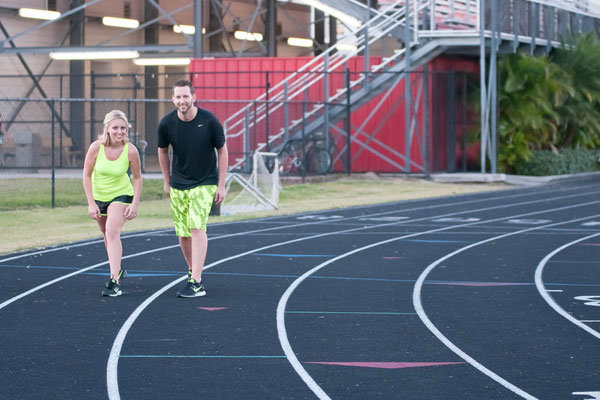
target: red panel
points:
(244, 79)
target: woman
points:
(111, 197)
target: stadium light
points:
(334, 12)
(38, 14)
(299, 42)
(94, 55)
(121, 22)
(162, 61)
(188, 29)
(249, 36)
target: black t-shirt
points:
(194, 144)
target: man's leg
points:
(186, 248)
(199, 245)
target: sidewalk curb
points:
(517, 180)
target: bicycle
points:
(309, 155)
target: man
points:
(197, 177)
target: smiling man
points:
(194, 179)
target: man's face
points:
(183, 98)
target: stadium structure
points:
(327, 85)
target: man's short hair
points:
(184, 83)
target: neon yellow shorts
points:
(190, 208)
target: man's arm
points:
(165, 167)
(222, 164)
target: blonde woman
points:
(112, 198)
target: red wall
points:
(239, 80)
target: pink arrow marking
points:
(212, 308)
(387, 365)
(481, 284)
(392, 258)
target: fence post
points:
(302, 155)
(267, 111)
(247, 168)
(286, 113)
(52, 104)
(347, 122)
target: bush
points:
(568, 161)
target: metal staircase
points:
(390, 18)
(422, 29)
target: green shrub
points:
(568, 161)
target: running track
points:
(485, 296)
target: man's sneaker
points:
(112, 289)
(192, 289)
(189, 274)
(122, 274)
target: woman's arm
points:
(88, 168)
(136, 170)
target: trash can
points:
(27, 149)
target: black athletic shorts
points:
(103, 205)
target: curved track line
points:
(112, 380)
(2, 305)
(423, 316)
(85, 243)
(53, 281)
(282, 333)
(92, 241)
(539, 284)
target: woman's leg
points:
(112, 237)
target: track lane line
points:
(112, 364)
(425, 319)
(282, 332)
(539, 283)
(94, 241)
(35, 289)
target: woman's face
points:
(117, 130)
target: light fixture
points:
(162, 61)
(188, 29)
(94, 55)
(334, 12)
(249, 36)
(345, 47)
(121, 22)
(300, 42)
(38, 14)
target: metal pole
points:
(198, 37)
(247, 139)
(53, 148)
(407, 91)
(483, 95)
(347, 122)
(286, 113)
(92, 96)
(267, 110)
(493, 87)
(366, 53)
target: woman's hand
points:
(94, 212)
(131, 212)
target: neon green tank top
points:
(110, 179)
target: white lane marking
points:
(323, 211)
(112, 380)
(539, 284)
(421, 312)
(282, 332)
(60, 278)
(69, 246)
(554, 290)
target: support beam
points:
(151, 82)
(76, 77)
(271, 28)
